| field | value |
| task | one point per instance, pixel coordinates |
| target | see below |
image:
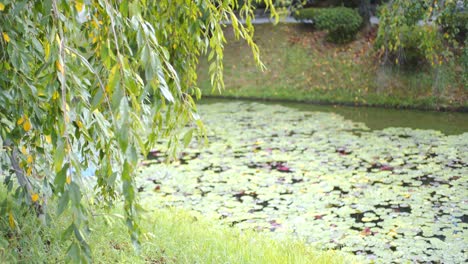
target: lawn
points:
(170, 236)
(302, 66)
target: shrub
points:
(455, 24)
(307, 14)
(418, 44)
(409, 34)
(417, 41)
(342, 23)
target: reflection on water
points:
(449, 123)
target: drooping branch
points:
(22, 179)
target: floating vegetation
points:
(393, 195)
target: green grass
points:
(171, 236)
(302, 66)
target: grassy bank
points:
(171, 237)
(302, 66)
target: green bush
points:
(307, 13)
(417, 44)
(417, 40)
(342, 23)
(455, 23)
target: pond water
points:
(323, 175)
(449, 123)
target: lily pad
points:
(391, 195)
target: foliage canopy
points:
(98, 83)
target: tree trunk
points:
(365, 11)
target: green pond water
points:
(449, 123)
(337, 178)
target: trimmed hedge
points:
(342, 23)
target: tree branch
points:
(22, 179)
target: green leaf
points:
(62, 203)
(74, 253)
(188, 137)
(75, 194)
(60, 179)
(68, 232)
(123, 131)
(59, 155)
(132, 155)
(163, 86)
(97, 99)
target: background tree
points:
(421, 31)
(97, 83)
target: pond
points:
(323, 175)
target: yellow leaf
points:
(30, 159)
(46, 50)
(29, 171)
(20, 121)
(392, 233)
(59, 67)
(68, 179)
(35, 197)
(2, 7)
(23, 150)
(79, 124)
(6, 37)
(11, 220)
(79, 6)
(27, 125)
(48, 139)
(55, 96)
